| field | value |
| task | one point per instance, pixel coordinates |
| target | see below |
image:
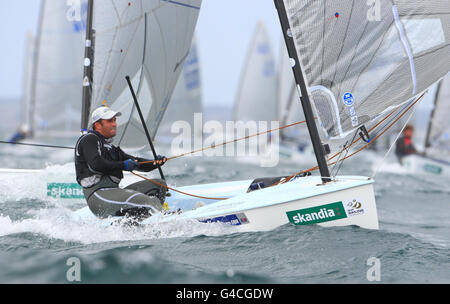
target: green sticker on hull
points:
(319, 214)
(65, 190)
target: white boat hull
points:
(304, 201)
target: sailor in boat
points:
(22, 133)
(99, 169)
(405, 146)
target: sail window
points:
(424, 34)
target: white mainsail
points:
(25, 106)
(187, 97)
(361, 59)
(256, 97)
(57, 71)
(148, 40)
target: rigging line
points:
(228, 142)
(36, 145)
(396, 115)
(185, 193)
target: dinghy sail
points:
(186, 99)
(256, 97)
(361, 60)
(146, 40)
(57, 75)
(52, 95)
(25, 119)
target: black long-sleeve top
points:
(95, 156)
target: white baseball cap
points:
(103, 113)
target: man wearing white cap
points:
(99, 167)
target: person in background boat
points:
(404, 145)
(22, 133)
(99, 169)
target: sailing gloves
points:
(130, 165)
(160, 160)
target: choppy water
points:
(38, 237)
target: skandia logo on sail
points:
(319, 214)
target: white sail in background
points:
(187, 97)
(361, 59)
(58, 63)
(148, 40)
(290, 110)
(438, 143)
(25, 118)
(256, 98)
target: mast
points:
(430, 122)
(88, 71)
(319, 150)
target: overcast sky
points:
(224, 31)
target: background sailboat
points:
(52, 92)
(256, 101)
(256, 96)
(435, 159)
(24, 128)
(57, 73)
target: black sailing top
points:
(95, 156)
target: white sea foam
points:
(58, 222)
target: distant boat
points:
(255, 105)
(435, 159)
(256, 96)
(52, 95)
